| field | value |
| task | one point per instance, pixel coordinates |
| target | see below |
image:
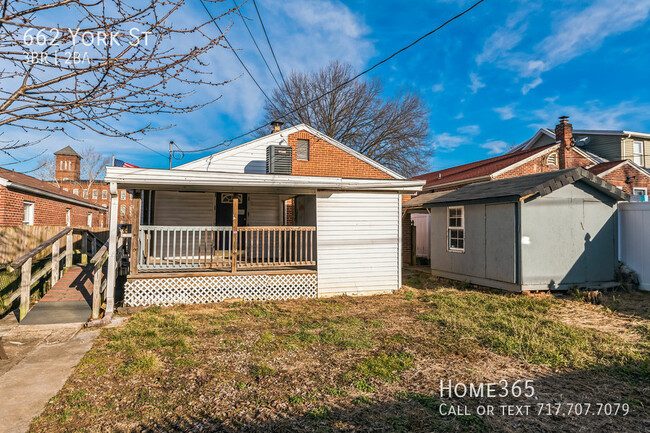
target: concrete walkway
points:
(41, 358)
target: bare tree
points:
(93, 64)
(393, 131)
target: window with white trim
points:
(89, 219)
(95, 194)
(28, 213)
(302, 151)
(67, 217)
(640, 191)
(85, 193)
(75, 191)
(456, 229)
(123, 194)
(122, 209)
(637, 152)
(104, 194)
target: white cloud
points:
(475, 82)
(469, 129)
(447, 142)
(438, 87)
(628, 115)
(495, 147)
(506, 112)
(530, 86)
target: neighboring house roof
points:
(207, 162)
(67, 151)
(606, 167)
(483, 169)
(23, 182)
(195, 180)
(528, 144)
(418, 201)
(516, 188)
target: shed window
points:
(637, 152)
(456, 229)
(302, 153)
(28, 213)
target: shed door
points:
(500, 242)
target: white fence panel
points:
(422, 238)
(634, 239)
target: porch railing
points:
(177, 247)
(275, 246)
(187, 247)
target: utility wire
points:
(255, 42)
(237, 55)
(270, 46)
(346, 82)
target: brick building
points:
(539, 156)
(68, 178)
(25, 200)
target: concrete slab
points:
(28, 386)
(47, 313)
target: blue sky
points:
(491, 78)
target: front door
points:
(224, 211)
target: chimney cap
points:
(564, 119)
(278, 123)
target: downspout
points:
(518, 271)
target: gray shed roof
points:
(419, 200)
(67, 151)
(517, 188)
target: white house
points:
(292, 214)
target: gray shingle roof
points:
(67, 151)
(516, 188)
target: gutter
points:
(20, 187)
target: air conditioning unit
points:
(278, 159)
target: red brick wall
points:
(329, 161)
(47, 212)
(101, 186)
(75, 167)
(541, 165)
(618, 176)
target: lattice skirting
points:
(198, 290)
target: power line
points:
(237, 55)
(255, 42)
(270, 46)
(346, 82)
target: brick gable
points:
(619, 175)
(544, 163)
(329, 161)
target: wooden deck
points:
(207, 272)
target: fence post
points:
(97, 287)
(25, 285)
(235, 218)
(55, 262)
(84, 247)
(112, 250)
(68, 250)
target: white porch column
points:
(112, 250)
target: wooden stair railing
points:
(24, 262)
(99, 282)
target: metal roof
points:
(516, 188)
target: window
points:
(123, 195)
(89, 220)
(302, 152)
(637, 152)
(65, 189)
(67, 217)
(85, 193)
(122, 209)
(104, 194)
(552, 159)
(75, 191)
(640, 191)
(95, 194)
(61, 165)
(28, 213)
(456, 229)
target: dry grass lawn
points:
(362, 364)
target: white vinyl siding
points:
(248, 159)
(264, 210)
(184, 208)
(357, 242)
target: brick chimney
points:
(68, 164)
(276, 125)
(567, 156)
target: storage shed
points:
(546, 231)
